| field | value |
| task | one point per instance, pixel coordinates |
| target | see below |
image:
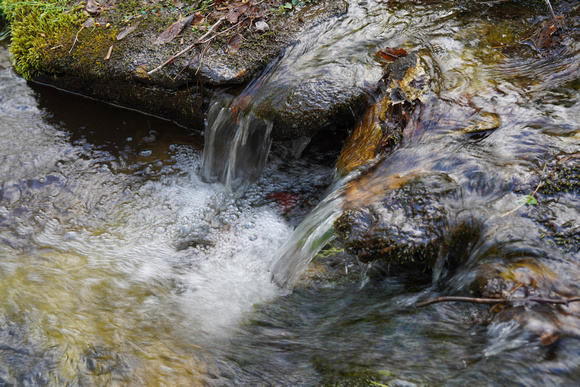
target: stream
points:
(124, 261)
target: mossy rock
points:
(556, 211)
(50, 44)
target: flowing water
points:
(120, 265)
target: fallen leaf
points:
(234, 44)
(390, 54)
(126, 31)
(235, 10)
(287, 201)
(198, 18)
(93, 7)
(89, 23)
(175, 29)
(108, 56)
(141, 71)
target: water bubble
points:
(145, 153)
(253, 237)
(71, 235)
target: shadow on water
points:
(120, 265)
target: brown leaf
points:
(197, 18)
(234, 44)
(173, 30)
(235, 11)
(390, 54)
(93, 7)
(89, 23)
(126, 31)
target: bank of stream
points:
(120, 264)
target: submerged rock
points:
(394, 218)
(405, 226)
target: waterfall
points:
(236, 145)
(311, 235)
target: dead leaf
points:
(175, 29)
(234, 44)
(89, 23)
(126, 31)
(390, 54)
(93, 7)
(198, 18)
(141, 72)
(235, 10)
(108, 56)
(544, 37)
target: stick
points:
(211, 30)
(532, 195)
(505, 300)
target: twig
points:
(505, 300)
(222, 32)
(531, 196)
(201, 59)
(507, 295)
(209, 32)
(76, 39)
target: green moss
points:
(36, 27)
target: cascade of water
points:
(236, 148)
(315, 231)
(237, 142)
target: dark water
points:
(119, 265)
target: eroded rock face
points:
(390, 119)
(396, 218)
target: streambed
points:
(119, 265)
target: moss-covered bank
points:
(79, 46)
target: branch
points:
(505, 300)
(198, 41)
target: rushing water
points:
(120, 265)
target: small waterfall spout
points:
(315, 231)
(236, 146)
(237, 142)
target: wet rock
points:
(404, 225)
(390, 119)
(557, 210)
(313, 105)
(398, 218)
